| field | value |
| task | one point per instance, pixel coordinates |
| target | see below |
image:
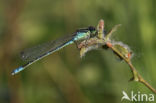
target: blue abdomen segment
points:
(17, 70)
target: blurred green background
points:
(64, 77)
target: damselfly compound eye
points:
(91, 28)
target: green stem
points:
(136, 75)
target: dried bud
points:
(123, 49)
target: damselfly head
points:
(91, 28)
(92, 31)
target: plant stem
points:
(101, 40)
(136, 76)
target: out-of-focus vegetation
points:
(63, 77)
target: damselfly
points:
(36, 53)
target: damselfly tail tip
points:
(13, 73)
(17, 70)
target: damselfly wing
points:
(36, 53)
